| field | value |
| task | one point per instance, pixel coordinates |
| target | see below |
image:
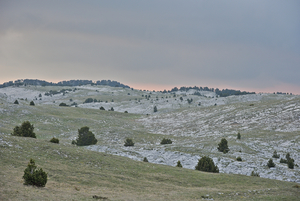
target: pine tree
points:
(271, 163)
(238, 136)
(85, 137)
(34, 176)
(26, 130)
(179, 164)
(207, 164)
(223, 146)
(128, 142)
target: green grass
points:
(75, 173)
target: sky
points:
(251, 45)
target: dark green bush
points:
(238, 136)
(63, 104)
(271, 163)
(85, 137)
(102, 108)
(283, 160)
(34, 176)
(145, 159)
(88, 100)
(126, 112)
(155, 109)
(207, 164)
(179, 164)
(16, 102)
(112, 109)
(239, 159)
(54, 140)
(166, 141)
(26, 130)
(128, 142)
(275, 155)
(223, 146)
(32, 103)
(290, 164)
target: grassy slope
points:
(75, 173)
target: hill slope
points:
(266, 122)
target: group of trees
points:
(36, 82)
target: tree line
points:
(36, 82)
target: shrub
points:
(290, 164)
(271, 163)
(34, 176)
(26, 130)
(283, 160)
(239, 159)
(275, 155)
(255, 174)
(155, 109)
(128, 142)
(32, 103)
(223, 146)
(145, 159)
(166, 141)
(88, 100)
(112, 109)
(102, 108)
(126, 112)
(179, 164)
(238, 136)
(54, 140)
(63, 104)
(85, 137)
(16, 102)
(207, 164)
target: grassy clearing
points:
(75, 173)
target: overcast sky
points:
(251, 45)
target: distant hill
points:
(37, 82)
(221, 93)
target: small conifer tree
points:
(271, 163)
(166, 141)
(54, 140)
(155, 109)
(239, 158)
(179, 164)
(238, 136)
(223, 146)
(25, 130)
(290, 164)
(102, 108)
(34, 176)
(128, 142)
(32, 103)
(16, 102)
(207, 164)
(145, 159)
(85, 137)
(275, 155)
